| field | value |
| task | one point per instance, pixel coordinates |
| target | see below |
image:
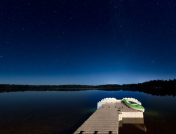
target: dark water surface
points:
(61, 112)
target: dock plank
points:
(108, 119)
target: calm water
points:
(61, 112)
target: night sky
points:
(87, 41)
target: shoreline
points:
(156, 87)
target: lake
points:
(62, 112)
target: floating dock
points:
(109, 116)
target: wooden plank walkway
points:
(108, 119)
(103, 121)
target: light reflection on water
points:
(50, 112)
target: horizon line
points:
(25, 84)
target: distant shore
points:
(155, 87)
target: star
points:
(157, 3)
(22, 29)
(70, 18)
(153, 61)
(28, 4)
(7, 42)
(121, 26)
(115, 7)
(54, 11)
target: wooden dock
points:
(108, 119)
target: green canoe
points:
(133, 104)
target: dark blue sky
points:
(87, 41)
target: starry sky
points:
(87, 41)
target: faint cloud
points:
(1, 56)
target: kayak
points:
(133, 103)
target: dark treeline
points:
(155, 87)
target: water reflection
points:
(49, 112)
